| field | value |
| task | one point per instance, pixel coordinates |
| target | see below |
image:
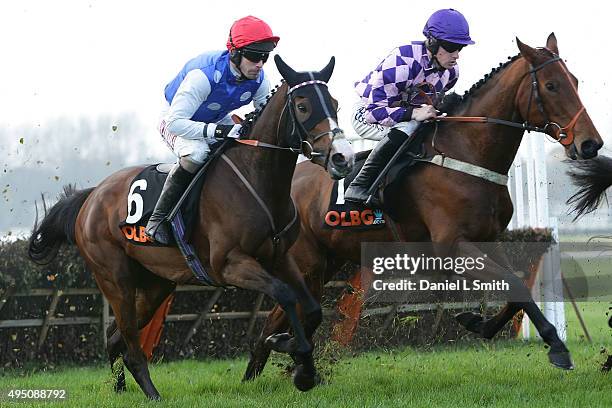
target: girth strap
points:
(277, 235)
(467, 168)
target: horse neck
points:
(490, 146)
(268, 170)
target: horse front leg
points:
(518, 297)
(312, 266)
(276, 322)
(244, 271)
(290, 274)
(310, 316)
(488, 328)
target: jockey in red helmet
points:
(252, 39)
(200, 100)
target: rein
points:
(564, 135)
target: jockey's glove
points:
(227, 131)
(408, 115)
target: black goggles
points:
(255, 56)
(451, 46)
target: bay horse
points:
(244, 202)
(533, 90)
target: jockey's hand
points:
(227, 131)
(424, 113)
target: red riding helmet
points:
(249, 30)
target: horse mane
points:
(251, 118)
(453, 101)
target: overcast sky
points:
(71, 70)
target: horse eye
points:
(551, 87)
(302, 108)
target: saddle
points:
(145, 190)
(342, 214)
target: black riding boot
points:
(357, 191)
(176, 183)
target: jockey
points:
(392, 106)
(199, 102)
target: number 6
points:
(136, 199)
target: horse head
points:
(313, 119)
(548, 98)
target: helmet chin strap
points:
(431, 44)
(233, 60)
(436, 64)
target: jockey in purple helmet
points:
(390, 110)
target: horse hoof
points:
(470, 321)
(154, 397)
(120, 384)
(304, 380)
(253, 370)
(282, 343)
(561, 360)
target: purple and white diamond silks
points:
(385, 88)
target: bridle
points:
(297, 130)
(562, 134)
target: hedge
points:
(219, 338)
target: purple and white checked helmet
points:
(448, 25)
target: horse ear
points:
(551, 43)
(285, 70)
(526, 51)
(326, 72)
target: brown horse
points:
(449, 207)
(252, 184)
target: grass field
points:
(466, 374)
(481, 373)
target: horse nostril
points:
(338, 160)
(589, 148)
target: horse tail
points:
(592, 177)
(57, 226)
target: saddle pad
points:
(142, 196)
(342, 214)
(347, 215)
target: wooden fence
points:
(50, 319)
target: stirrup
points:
(160, 232)
(373, 201)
